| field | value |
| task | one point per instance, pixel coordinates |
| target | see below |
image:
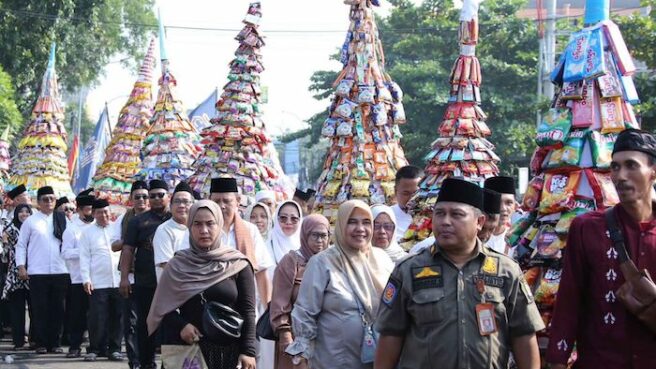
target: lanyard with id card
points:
(485, 318)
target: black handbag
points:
(221, 323)
(263, 328)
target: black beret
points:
(84, 200)
(158, 184)
(61, 201)
(501, 184)
(45, 190)
(491, 201)
(223, 185)
(138, 185)
(16, 191)
(100, 203)
(458, 190)
(635, 140)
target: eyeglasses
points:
(389, 227)
(69, 210)
(140, 197)
(159, 195)
(286, 219)
(48, 199)
(182, 202)
(319, 236)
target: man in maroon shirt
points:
(587, 313)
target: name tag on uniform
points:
(489, 280)
(427, 277)
(487, 323)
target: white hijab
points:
(279, 244)
(394, 250)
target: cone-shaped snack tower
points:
(461, 149)
(5, 160)
(172, 143)
(236, 144)
(571, 165)
(365, 150)
(41, 159)
(114, 177)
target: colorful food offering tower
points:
(571, 165)
(236, 144)
(41, 159)
(114, 177)
(172, 143)
(365, 150)
(5, 160)
(461, 150)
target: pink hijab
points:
(310, 223)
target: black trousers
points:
(130, 330)
(77, 304)
(17, 301)
(48, 294)
(105, 321)
(146, 343)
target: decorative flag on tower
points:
(114, 177)
(171, 144)
(571, 165)
(461, 149)
(41, 158)
(365, 150)
(236, 145)
(201, 115)
(94, 152)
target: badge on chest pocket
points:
(427, 277)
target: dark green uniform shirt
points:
(432, 304)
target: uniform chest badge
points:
(490, 265)
(427, 272)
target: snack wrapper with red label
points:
(603, 188)
(559, 191)
(554, 128)
(537, 160)
(570, 154)
(533, 191)
(545, 294)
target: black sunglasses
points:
(159, 195)
(140, 197)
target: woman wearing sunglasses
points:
(286, 232)
(384, 228)
(315, 237)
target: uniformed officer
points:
(457, 304)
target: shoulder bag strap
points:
(617, 239)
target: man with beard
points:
(77, 302)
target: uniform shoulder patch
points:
(490, 265)
(390, 292)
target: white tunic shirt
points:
(71, 247)
(262, 256)
(403, 221)
(38, 248)
(98, 263)
(497, 242)
(169, 237)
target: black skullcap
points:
(197, 195)
(183, 187)
(223, 185)
(311, 192)
(501, 184)
(158, 184)
(84, 200)
(87, 192)
(303, 195)
(45, 190)
(458, 190)
(491, 201)
(635, 140)
(138, 185)
(100, 203)
(61, 201)
(16, 191)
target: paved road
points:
(28, 359)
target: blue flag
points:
(201, 115)
(94, 152)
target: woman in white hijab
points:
(260, 215)
(384, 228)
(286, 233)
(339, 294)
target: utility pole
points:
(550, 47)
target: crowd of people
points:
(178, 270)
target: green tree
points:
(88, 33)
(9, 114)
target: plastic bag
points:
(183, 357)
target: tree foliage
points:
(9, 114)
(88, 33)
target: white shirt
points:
(403, 221)
(169, 237)
(262, 257)
(497, 242)
(115, 235)
(98, 263)
(71, 247)
(38, 247)
(419, 246)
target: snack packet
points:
(602, 148)
(559, 191)
(554, 128)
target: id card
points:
(487, 323)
